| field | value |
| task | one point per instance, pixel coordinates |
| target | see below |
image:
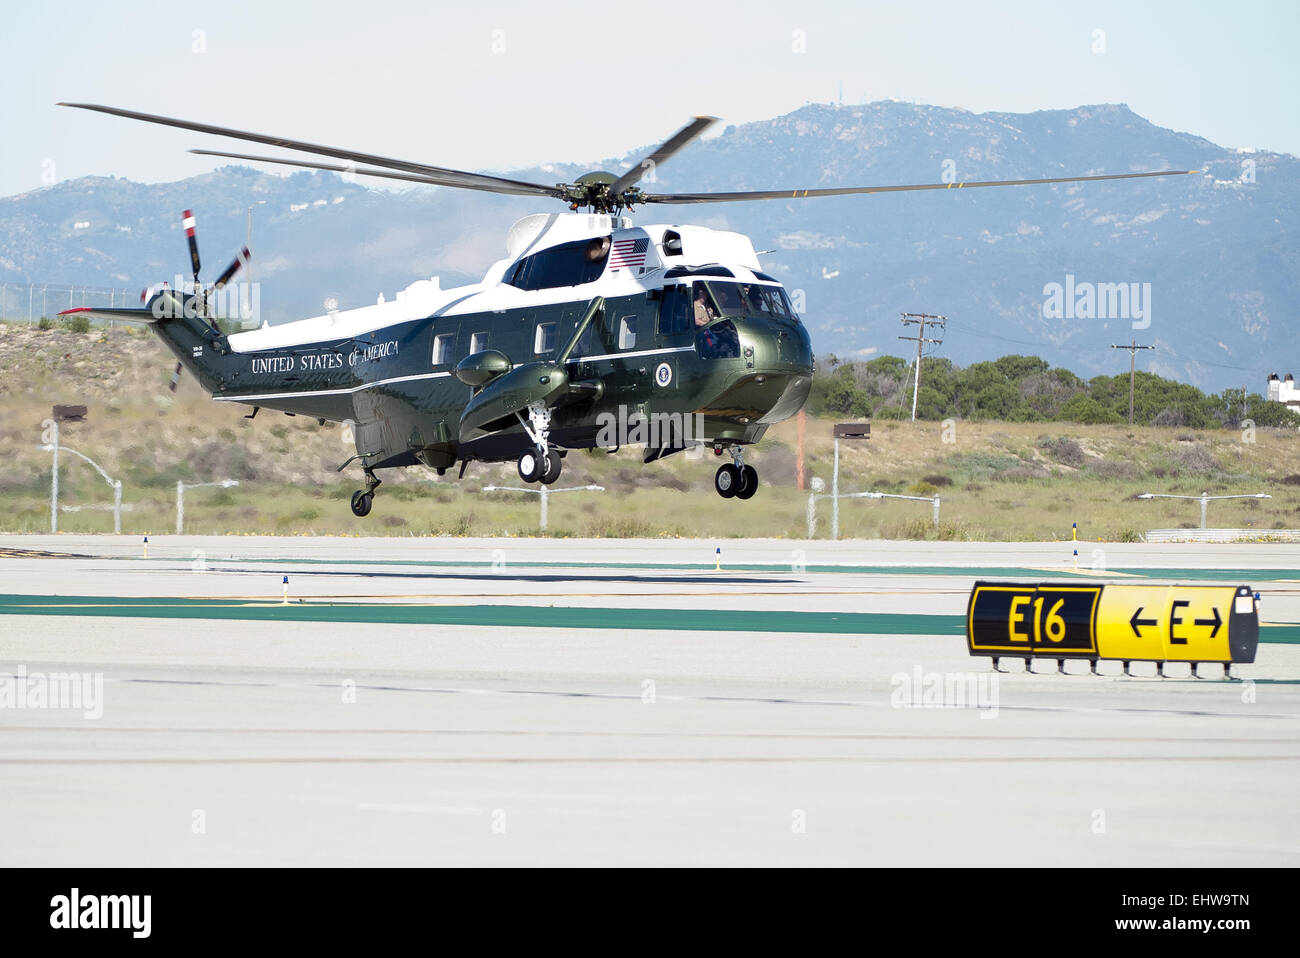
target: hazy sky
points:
(505, 85)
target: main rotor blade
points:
(738, 197)
(427, 179)
(665, 151)
(458, 178)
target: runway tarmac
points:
(604, 702)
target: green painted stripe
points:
(519, 616)
(503, 616)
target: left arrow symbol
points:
(1216, 622)
(1135, 621)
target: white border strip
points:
(406, 379)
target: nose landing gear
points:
(541, 463)
(736, 479)
(363, 499)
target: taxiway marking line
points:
(1243, 575)
(654, 759)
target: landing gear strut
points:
(541, 463)
(363, 499)
(735, 478)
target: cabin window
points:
(587, 342)
(442, 348)
(675, 311)
(544, 338)
(627, 332)
(477, 343)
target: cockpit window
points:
(569, 264)
(718, 341)
(746, 299)
(703, 304)
(675, 311)
(780, 303)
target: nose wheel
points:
(735, 479)
(364, 499)
(534, 466)
(540, 463)
(748, 482)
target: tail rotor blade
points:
(236, 265)
(176, 377)
(187, 219)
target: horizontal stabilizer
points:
(119, 314)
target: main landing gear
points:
(363, 499)
(540, 463)
(736, 479)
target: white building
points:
(1284, 391)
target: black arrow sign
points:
(1135, 621)
(1216, 622)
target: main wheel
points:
(553, 466)
(361, 503)
(748, 482)
(531, 465)
(727, 481)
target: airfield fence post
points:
(54, 483)
(936, 512)
(31, 291)
(545, 496)
(835, 494)
(117, 507)
(1205, 501)
(812, 515)
(180, 506)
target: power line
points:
(921, 320)
(1132, 348)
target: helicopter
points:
(588, 323)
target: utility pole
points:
(921, 320)
(1132, 348)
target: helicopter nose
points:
(777, 348)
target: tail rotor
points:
(200, 291)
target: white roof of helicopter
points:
(424, 298)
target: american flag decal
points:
(628, 252)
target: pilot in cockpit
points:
(703, 309)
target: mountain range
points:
(1213, 255)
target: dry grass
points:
(997, 480)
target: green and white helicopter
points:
(590, 332)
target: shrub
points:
(1063, 450)
(1195, 459)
